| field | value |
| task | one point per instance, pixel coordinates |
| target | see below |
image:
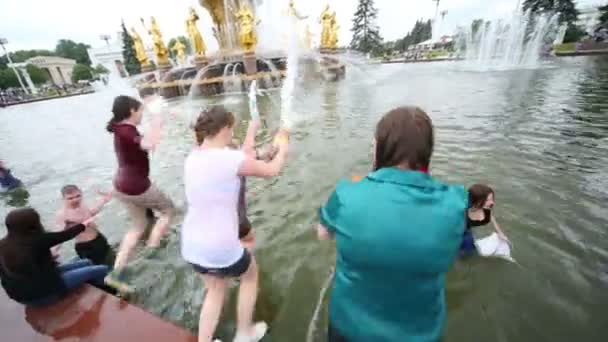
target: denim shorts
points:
(233, 271)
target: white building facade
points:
(110, 56)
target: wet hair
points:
(404, 136)
(69, 189)
(22, 225)
(478, 194)
(121, 110)
(210, 122)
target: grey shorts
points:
(152, 198)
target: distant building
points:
(588, 18)
(110, 56)
(59, 69)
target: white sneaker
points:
(259, 330)
(217, 340)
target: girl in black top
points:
(481, 201)
(28, 271)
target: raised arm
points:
(258, 168)
(249, 143)
(152, 137)
(323, 233)
(105, 198)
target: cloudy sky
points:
(40, 23)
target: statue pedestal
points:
(200, 62)
(147, 68)
(250, 62)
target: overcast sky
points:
(29, 24)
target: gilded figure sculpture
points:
(196, 39)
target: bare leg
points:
(160, 229)
(132, 237)
(212, 307)
(248, 293)
(249, 241)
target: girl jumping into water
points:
(210, 232)
(481, 201)
(132, 183)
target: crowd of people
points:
(397, 231)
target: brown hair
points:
(478, 194)
(404, 135)
(23, 225)
(69, 189)
(121, 110)
(210, 122)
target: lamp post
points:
(106, 38)
(3, 42)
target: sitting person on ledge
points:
(28, 271)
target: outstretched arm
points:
(105, 198)
(499, 231)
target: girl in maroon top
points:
(132, 180)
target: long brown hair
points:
(121, 110)
(478, 194)
(210, 122)
(23, 225)
(404, 135)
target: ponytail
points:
(121, 110)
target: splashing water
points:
(514, 43)
(289, 84)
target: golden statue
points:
(247, 22)
(217, 12)
(162, 54)
(326, 20)
(180, 51)
(140, 50)
(198, 44)
(333, 35)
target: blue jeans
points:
(75, 274)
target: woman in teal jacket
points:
(397, 233)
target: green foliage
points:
(603, 15)
(69, 49)
(566, 8)
(8, 79)
(128, 53)
(81, 72)
(423, 30)
(574, 34)
(476, 25)
(37, 75)
(101, 70)
(184, 41)
(564, 48)
(366, 34)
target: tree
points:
(37, 75)
(603, 15)
(101, 70)
(81, 72)
(568, 15)
(128, 53)
(475, 26)
(69, 49)
(183, 40)
(8, 79)
(366, 34)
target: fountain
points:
(518, 42)
(239, 60)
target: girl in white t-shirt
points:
(210, 232)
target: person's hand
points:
(89, 221)
(503, 237)
(106, 196)
(282, 138)
(255, 124)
